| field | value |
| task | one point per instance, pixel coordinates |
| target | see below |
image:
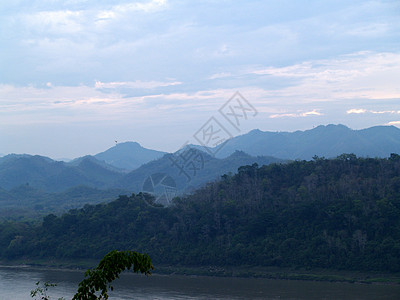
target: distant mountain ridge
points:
(186, 175)
(324, 140)
(89, 158)
(127, 165)
(48, 175)
(54, 176)
(31, 185)
(328, 141)
(128, 155)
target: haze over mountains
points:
(34, 185)
(188, 176)
(104, 169)
(54, 176)
(328, 141)
(126, 166)
(128, 155)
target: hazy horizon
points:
(163, 150)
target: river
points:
(16, 284)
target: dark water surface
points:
(16, 284)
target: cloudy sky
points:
(77, 75)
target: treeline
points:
(341, 213)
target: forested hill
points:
(342, 213)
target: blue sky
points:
(77, 75)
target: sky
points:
(78, 75)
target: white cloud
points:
(314, 112)
(119, 11)
(327, 82)
(283, 116)
(149, 6)
(394, 123)
(286, 60)
(356, 111)
(368, 30)
(60, 104)
(362, 75)
(381, 112)
(55, 22)
(220, 75)
(376, 112)
(25, 105)
(86, 23)
(105, 15)
(138, 84)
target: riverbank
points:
(17, 282)
(285, 273)
(238, 272)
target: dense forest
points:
(341, 213)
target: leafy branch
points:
(41, 291)
(109, 268)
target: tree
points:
(41, 291)
(108, 270)
(99, 279)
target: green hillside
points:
(342, 213)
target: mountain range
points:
(36, 185)
(45, 174)
(190, 169)
(328, 141)
(123, 164)
(128, 155)
(53, 176)
(128, 166)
